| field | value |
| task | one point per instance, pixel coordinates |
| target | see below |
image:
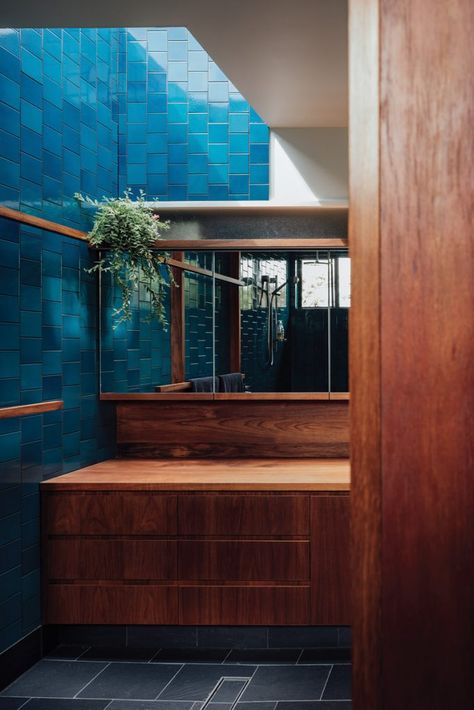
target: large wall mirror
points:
(238, 322)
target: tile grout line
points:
(154, 655)
(226, 657)
(326, 683)
(299, 657)
(170, 680)
(94, 677)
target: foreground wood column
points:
(412, 352)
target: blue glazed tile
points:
(218, 153)
(31, 90)
(10, 364)
(259, 153)
(177, 113)
(136, 51)
(52, 142)
(218, 132)
(30, 376)
(10, 40)
(157, 163)
(239, 164)
(259, 174)
(237, 103)
(238, 123)
(30, 350)
(9, 254)
(157, 184)
(9, 119)
(177, 153)
(31, 116)
(239, 143)
(31, 429)
(9, 392)
(52, 43)
(9, 281)
(9, 146)
(198, 122)
(52, 362)
(157, 40)
(10, 65)
(238, 184)
(31, 168)
(216, 74)
(32, 40)
(10, 92)
(178, 92)
(197, 163)
(9, 336)
(31, 64)
(52, 387)
(259, 133)
(136, 71)
(218, 91)
(51, 68)
(51, 337)
(9, 309)
(197, 81)
(259, 192)
(30, 324)
(198, 61)
(177, 71)
(157, 103)
(218, 174)
(30, 298)
(10, 173)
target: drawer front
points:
(127, 604)
(244, 560)
(110, 514)
(243, 515)
(111, 559)
(330, 563)
(244, 605)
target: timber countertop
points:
(207, 475)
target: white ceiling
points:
(288, 58)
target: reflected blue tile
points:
(31, 429)
(10, 91)
(157, 40)
(9, 146)
(259, 153)
(10, 40)
(31, 64)
(52, 362)
(9, 119)
(31, 116)
(10, 65)
(30, 350)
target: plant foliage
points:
(128, 230)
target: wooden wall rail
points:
(23, 410)
(310, 243)
(41, 223)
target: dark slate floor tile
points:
(321, 705)
(196, 681)
(228, 691)
(161, 637)
(67, 652)
(302, 636)
(131, 681)
(287, 683)
(256, 706)
(232, 637)
(261, 656)
(119, 654)
(345, 636)
(191, 655)
(61, 704)
(11, 703)
(149, 705)
(325, 655)
(339, 684)
(54, 679)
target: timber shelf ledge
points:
(320, 475)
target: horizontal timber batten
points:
(23, 410)
(40, 223)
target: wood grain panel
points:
(243, 515)
(41, 223)
(330, 560)
(364, 352)
(112, 604)
(82, 559)
(278, 244)
(232, 429)
(111, 514)
(243, 560)
(427, 345)
(244, 605)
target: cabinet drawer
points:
(244, 605)
(111, 559)
(243, 515)
(110, 514)
(126, 604)
(244, 560)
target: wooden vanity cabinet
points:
(152, 557)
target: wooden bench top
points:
(208, 475)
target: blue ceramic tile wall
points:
(185, 132)
(57, 107)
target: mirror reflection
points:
(237, 322)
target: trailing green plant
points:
(127, 230)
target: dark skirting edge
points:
(19, 657)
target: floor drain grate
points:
(227, 692)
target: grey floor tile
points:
(191, 655)
(261, 656)
(325, 655)
(131, 681)
(256, 706)
(287, 683)
(339, 684)
(11, 703)
(61, 704)
(66, 652)
(54, 679)
(119, 654)
(149, 705)
(196, 681)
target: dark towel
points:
(232, 382)
(203, 384)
